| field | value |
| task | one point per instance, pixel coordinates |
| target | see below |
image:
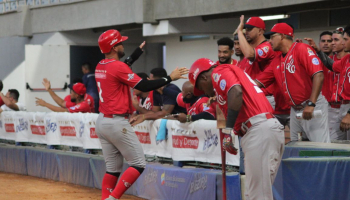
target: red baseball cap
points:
(199, 66)
(282, 28)
(78, 88)
(255, 22)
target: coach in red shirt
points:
(299, 74)
(250, 115)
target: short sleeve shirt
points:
(168, 97)
(82, 107)
(20, 106)
(146, 103)
(114, 79)
(87, 98)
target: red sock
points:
(126, 180)
(108, 183)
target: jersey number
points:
(258, 90)
(100, 93)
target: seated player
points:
(142, 101)
(67, 102)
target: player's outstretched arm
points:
(247, 50)
(40, 102)
(46, 83)
(135, 55)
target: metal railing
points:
(12, 5)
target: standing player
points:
(114, 79)
(298, 73)
(250, 115)
(325, 43)
(225, 51)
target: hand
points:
(142, 45)
(46, 84)
(241, 25)
(178, 73)
(181, 117)
(228, 144)
(137, 119)
(40, 102)
(307, 113)
(312, 44)
(211, 100)
(299, 40)
(345, 123)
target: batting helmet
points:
(199, 66)
(109, 39)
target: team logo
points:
(114, 41)
(130, 77)
(266, 49)
(216, 77)
(315, 61)
(222, 84)
(290, 66)
(162, 178)
(250, 62)
(126, 184)
(260, 52)
(278, 67)
(195, 74)
(310, 52)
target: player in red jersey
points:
(142, 101)
(299, 74)
(238, 51)
(225, 51)
(343, 67)
(250, 115)
(118, 139)
(1, 87)
(196, 106)
(78, 92)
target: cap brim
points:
(268, 34)
(249, 26)
(197, 92)
(70, 86)
(124, 38)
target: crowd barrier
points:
(197, 141)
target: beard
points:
(189, 100)
(73, 100)
(226, 61)
(121, 54)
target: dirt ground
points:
(20, 187)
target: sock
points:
(108, 183)
(126, 180)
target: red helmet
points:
(199, 66)
(109, 39)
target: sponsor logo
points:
(310, 52)
(130, 77)
(278, 66)
(266, 49)
(50, 126)
(260, 52)
(199, 183)
(150, 176)
(68, 131)
(290, 67)
(211, 139)
(185, 142)
(23, 125)
(205, 107)
(81, 129)
(162, 178)
(195, 74)
(223, 84)
(37, 130)
(10, 128)
(144, 138)
(171, 181)
(315, 61)
(216, 77)
(93, 133)
(73, 108)
(100, 75)
(114, 41)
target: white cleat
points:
(111, 198)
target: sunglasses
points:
(339, 30)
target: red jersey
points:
(331, 86)
(1, 102)
(114, 79)
(281, 105)
(343, 68)
(148, 102)
(233, 62)
(293, 73)
(87, 98)
(224, 77)
(83, 107)
(198, 107)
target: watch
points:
(309, 103)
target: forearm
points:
(155, 115)
(326, 60)
(234, 105)
(142, 110)
(247, 50)
(149, 85)
(6, 100)
(202, 115)
(134, 56)
(317, 82)
(55, 108)
(56, 98)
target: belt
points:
(255, 119)
(335, 104)
(345, 102)
(126, 116)
(298, 107)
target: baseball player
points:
(118, 139)
(343, 67)
(250, 115)
(225, 51)
(142, 101)
(298, 72)
(196, 106)
(78, 91)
